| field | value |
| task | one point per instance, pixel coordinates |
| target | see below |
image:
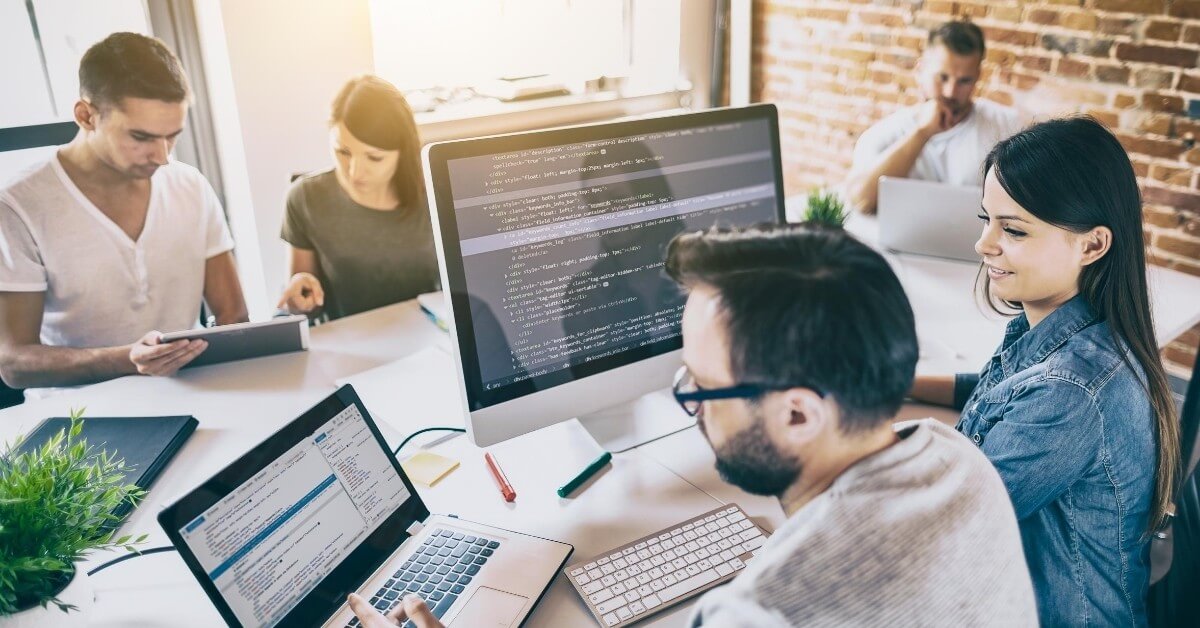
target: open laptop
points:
(929, 218)
(322, 508)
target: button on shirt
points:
(101, 287)
(1069, 426)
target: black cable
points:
(133, 554)
(396, 452)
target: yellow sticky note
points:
(426, 468)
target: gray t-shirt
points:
(366, 258)
(919, 534)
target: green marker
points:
(583, 476)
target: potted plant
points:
(825, 207)
(56, 506)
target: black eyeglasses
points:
(691, 396)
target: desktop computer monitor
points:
(551, 246)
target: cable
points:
(133, 554)
(396, 452)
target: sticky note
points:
(427, 468)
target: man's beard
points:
(751, 462)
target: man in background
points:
(943, 139)
(110, 241)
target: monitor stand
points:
(625, 426)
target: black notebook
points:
(146, 443)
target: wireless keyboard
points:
(632, 582)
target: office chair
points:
(1173, 601)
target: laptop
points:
(322, 508)
(929, 218)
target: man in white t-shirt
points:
(943, 139)
(110, 241)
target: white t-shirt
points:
(102, 288)
(954, 156)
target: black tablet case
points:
(146, 443)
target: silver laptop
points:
(929, 218)
(322, 508)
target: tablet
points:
(246, 340)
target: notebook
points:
(146, 443)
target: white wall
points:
(271, 85)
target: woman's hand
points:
(303, 294)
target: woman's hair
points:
(376, 113)
(1074, 174)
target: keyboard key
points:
(421, 577)
(493, 544)
(632, 596)
(444, 605)
(458, 588)
(472, 570)
(636, 608)
(407, 576)
(475, 549)
(687, 586)
(374, 599)
(428, 588)
(412, 587)
(391, 595)
(459, 551)
(445, 586)
(609, 604)
(382, 605)
(601, 596)
(651, 601)
(459, 568)
(583, 579)
(737, 563)
(458, 536)
(443, 570)
(469, 539)
(724, 570)
(480, 542)
(611, 619)
(624, 613)
(464, 580)
(593, 586)
(480, 560)
(608, 581)
(436, 595)
(753, 544)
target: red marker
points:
(506, 489)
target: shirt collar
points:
(1023, 347)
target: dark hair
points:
(961, 38)
(1093, 184)
(808, 303)
(129, 65)
(376, 113)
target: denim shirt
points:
(1070, 428)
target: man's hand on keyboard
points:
(411, 607)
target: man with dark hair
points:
(799, 346)
(946, 137)
(110, 240)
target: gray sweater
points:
(919, 534)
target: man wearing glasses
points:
(799, 346)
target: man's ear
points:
(86, 115)
(1095, 244)
(800, 417)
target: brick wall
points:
(834, 67)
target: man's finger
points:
(366, 614)
(419, 613)
(318, 293)
(177, 362)
(153, 353)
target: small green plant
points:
(824, 207)
(56, 506)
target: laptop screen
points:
(280, 533)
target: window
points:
(453, 47)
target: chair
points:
(1173, 600)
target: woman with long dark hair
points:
(1074, 408)
(360, 233)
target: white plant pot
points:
(79, 593)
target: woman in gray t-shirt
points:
(360, 233)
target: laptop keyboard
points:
(438, 571)
(632, 582)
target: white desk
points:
(658, 484)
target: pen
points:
(583, 476)
(506, 489)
